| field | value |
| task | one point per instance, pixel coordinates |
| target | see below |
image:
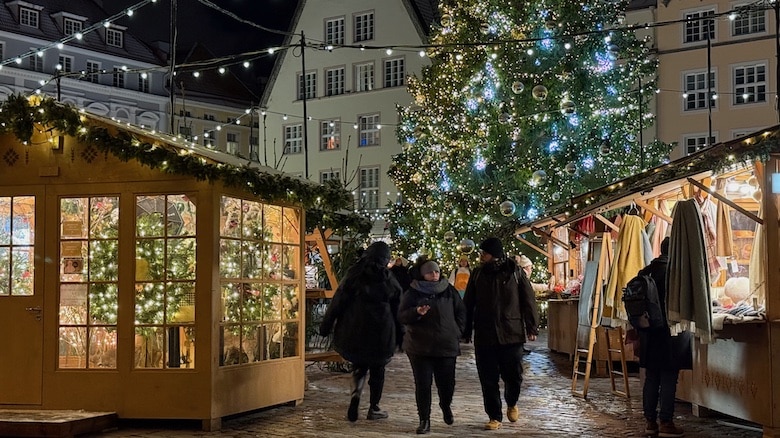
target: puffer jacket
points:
(500, 305)
(364, 310)
(438, 332)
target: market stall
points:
(144, 275)
(734, 187)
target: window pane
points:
(149, 347)
(102, 347)
(73, 347)
(103, 303)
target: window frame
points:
(115, 38)
(330, 136)
(334, 32)
(292, 144)
(360, 74)
(368, 129)
(337, 86)
(694, 30)
(93, 75)
(370, 192)
(29, 17)
(698, 145)
(753, 19)
(232, 142)
(363, 32)
(118, 76)
(738, 99)
(306, 82)
(75, 26)
(66, 61)
(327, 175)
(699, 94)
(394, 72)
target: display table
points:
(562, 325)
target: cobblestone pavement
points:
(547, 408)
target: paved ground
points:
(547, 408)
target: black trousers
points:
(426, 369)
(494, 362)
(376, 381)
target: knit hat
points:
(428, 267)
(524, 261)
(493, 246)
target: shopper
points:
(501, 310)
(660, 359)
(434, 316)
(459, 277)
(528, 266)
(364, 310)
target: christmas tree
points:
(524, 105)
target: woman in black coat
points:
(434, 316)
(364, 310)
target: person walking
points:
(657, 355)
(459, 277)
(501, 312)
(434, 316)
(364, 310)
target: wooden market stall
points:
(143, 275)
(737, 371)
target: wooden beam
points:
(549, 235)
(606, 222)
(536, 248)
(727, 201)
(653, 210)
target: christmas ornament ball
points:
(504, 118)
(539, 92)
(539, 177)
(466, 246)
(446, 20)
(568, 107)
(517, 87)
(449, 236)
(484, 28)
(417, 178)
(550, 24)
(605, 147)
(423, 252)
(571, 168)
(507, 208)
(556, 196)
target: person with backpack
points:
(656, 355)
(501, 312)
(364, 312)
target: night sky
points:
(222, 34)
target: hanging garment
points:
(757, 270)
(630, 256)
(661, 228)
(708, 213)
(688, 301)
(724, 244)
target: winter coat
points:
(658, 349)
(402, 275)
(500, 305)
(364, 310)
(438, 332)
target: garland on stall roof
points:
(23, 116)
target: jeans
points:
(504, 361)
(376, 381)
(426, 369)
(660, 386)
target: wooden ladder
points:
(610, 365)
(579, 363)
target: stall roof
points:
(661, 179)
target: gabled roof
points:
(641, 4)
(663, 178)
(49, 30)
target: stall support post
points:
(772, 303)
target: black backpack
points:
(640, 297)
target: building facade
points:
(721, 49)
(331, 113)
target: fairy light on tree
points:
(513, 116)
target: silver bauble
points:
(466, 246)
(571, 168)
(449, 236)
(517, 87)
(539, 92)
(539, 177)
(484, 28)
(605, 147)
(504, 118)
(568, 107)
(507, 208)
(556, 196)
(446, 20)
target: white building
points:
(331, 113)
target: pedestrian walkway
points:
(547, 408)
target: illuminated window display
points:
(17, 231)
(259, 272)
(88, 298)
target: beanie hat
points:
(493, 247)
(428, 267)
(378, 251)
(524, 261)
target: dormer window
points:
(114, 38)
(71, 26)
(28, 17)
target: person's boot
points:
(354, 401)
(374, 413)
(424, 427)
(651, 427)
(667, 429)
(447, 414)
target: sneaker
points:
(492, 425)
(669, 430)
(374, 413)
(651, 427)
(512, 413)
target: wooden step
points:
(53, 423)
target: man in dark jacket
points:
(364, 310)
(656, 355)
(501, 310)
